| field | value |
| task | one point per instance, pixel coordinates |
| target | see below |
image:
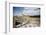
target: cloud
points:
(31, 11)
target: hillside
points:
(26, 21)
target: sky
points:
(32, 11)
